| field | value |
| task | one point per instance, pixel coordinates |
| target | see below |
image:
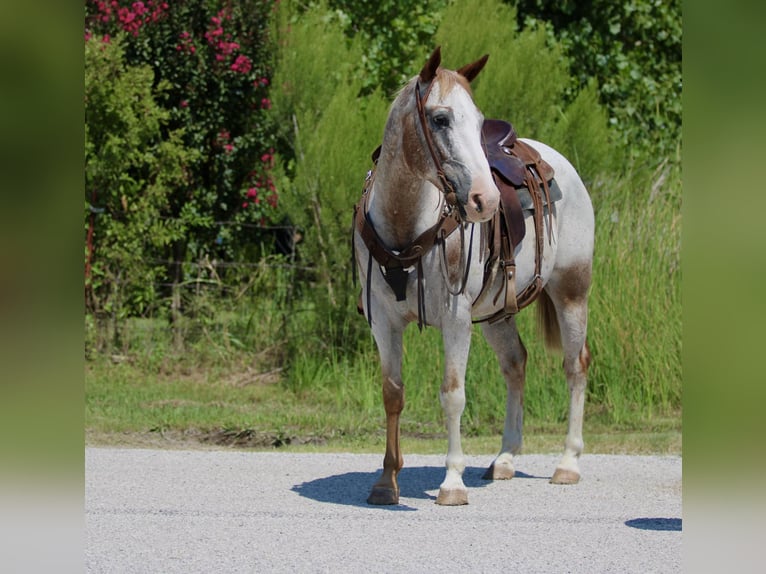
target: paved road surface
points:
(159, 511)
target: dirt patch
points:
(198, 439)
(256, 439)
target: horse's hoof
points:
(452, 497)
(564, 476)
(499, 471)
(383, 495)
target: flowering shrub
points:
(177, 165)
(213, 58)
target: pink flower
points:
(266, 103)
(229, 148)
(184, 104)
(251, 193)
(242, 65)
(244, 205)
(126, 16)
(266, 158)
(139, 8)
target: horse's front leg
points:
(389, 341)
(457, 341)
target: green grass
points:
(125, 406)
(258, 372)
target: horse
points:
(426, 205)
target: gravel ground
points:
(226, 511)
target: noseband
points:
(448, 189)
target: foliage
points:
(633, 50)
(323, 178)
(201, 69)
(176, 137)
(130, 169)
(213, 59)
(525, 81)
(392, 34)
(330, 134)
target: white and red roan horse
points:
(431, 167)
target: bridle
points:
(446, 186)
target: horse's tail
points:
(548, 322)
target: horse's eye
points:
(441, 121)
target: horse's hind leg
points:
(504, 339)
(568, 292)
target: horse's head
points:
(449, 125)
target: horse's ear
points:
(470, 71)
(428, 73)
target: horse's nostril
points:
(477, 202)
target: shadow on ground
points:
(419, 482)
(672, 524)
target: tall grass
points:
(239, 372)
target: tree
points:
(633, 50)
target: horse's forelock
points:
(447, 80)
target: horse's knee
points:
(393, 395)
(452, 392)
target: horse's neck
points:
(402, 205)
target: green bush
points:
(392, 34)
(130, 169)
(633, 50)
(179, 149)
(212, 59)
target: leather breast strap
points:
(394, 264)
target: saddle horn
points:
(470, 71)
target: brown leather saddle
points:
(510, 160)
(526, 183)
